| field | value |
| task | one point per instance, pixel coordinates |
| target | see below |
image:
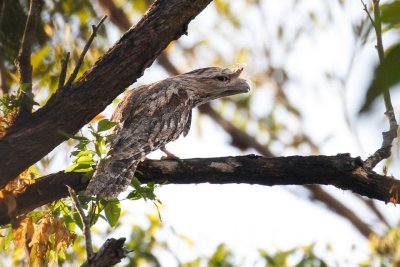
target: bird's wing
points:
(149, 117)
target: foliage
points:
(45, 234)
(386, 249)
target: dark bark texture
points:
(110, 253)
(342, 171)
(70, 109)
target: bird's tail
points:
(111, 178)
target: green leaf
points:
(112, 211)
(71, 224)
(38, 58)
(71, 136)
(84, 159)
(9, 237)
(136, 183)
(85, 153)
(134, 195)
(79, 167)
(387, 74)
(105, 125)
(78, 220)
(391, 12)
(99, 147)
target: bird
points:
(150, 116)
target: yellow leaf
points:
(97, 118)
(20, 234)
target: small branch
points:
(384, 151)
(84, 51)
(63, 73)
(85, 222)
(4, 86)
(110, 253)
(365, 8)
(378, 30)
(23, 60)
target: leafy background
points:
(312, 66)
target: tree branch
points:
(64, 68)
(23, 60)
(85, 223)
(4, 86)
(28, 140)
(342, 171)
(84, 51)
(384, 151)
(110, 253)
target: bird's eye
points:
(222, 78)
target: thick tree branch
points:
(30, 139)
(342, 171)
(23, 60)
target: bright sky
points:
(251, 217)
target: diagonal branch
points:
(4, 77)
(28, 140)
(85, 222)
(342, 171)
(64, 68)
(23, 60)
(84, 51)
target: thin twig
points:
(85, 222)
(385, 150)
(4, 87)
(23, 60)
(85, 49)
(368, 14)
(63, 73)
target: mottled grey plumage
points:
(153, 115)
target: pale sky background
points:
(248, 217)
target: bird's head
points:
(211, 83)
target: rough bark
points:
(110, 253)
(342, 171)
(30, 139)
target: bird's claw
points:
(169, 155)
